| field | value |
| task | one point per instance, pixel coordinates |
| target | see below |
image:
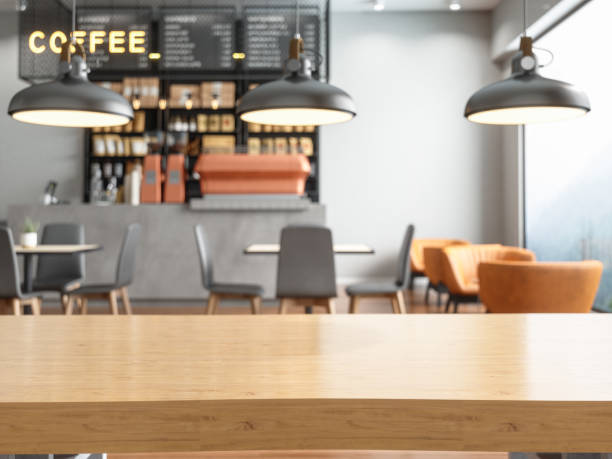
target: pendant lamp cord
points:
(297, 17)
(524, 18)
(73, 38)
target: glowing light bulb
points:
(454, 5)
(136, 102)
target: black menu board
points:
(269, 30)
(39, 25)
(198, 38)
(116, 39)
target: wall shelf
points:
(157, 120)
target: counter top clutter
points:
(420, 382)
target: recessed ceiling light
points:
(454, 5)
(379, 5)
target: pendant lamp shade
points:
(71, 100)
(526, 97)
(296, 100)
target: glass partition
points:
(568, 165)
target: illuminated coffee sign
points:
(113, 42)
(114, 39)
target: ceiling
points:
(412, 5)
(358, 5)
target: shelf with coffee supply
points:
(201, 60)
(180, 121)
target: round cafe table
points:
(47, 249)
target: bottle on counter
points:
(96, 184)
(111, 190)
(132, 185)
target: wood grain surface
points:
(413, 382)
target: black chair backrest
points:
(62, 266)
(9, 269)
(306, 266)
(127, 256)
(206, 266)
(403, 263)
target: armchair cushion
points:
(523, 287)
(460, 264)
(417, 256)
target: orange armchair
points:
(432, 255)
(519, 287)
(460, 268)
(417, 255)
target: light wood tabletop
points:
(418, 382)
(341, 249)
(43, 249)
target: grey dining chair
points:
(60, 273)
(123, 278)
(10, 287)
(222, 290)
(393, 288)
(306, 274)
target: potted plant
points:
(29, 234)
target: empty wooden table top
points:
(344, 249)
(427, 382)
(56, 249)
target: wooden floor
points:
(415, 303)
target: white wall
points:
(410, 156)
(30, 156)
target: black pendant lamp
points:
(296, 99)
(526, 97)
(71, 100)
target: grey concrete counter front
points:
(167, 266)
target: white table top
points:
(56, 249)
(266, 249)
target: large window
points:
(568, 166)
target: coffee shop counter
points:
(167, 265)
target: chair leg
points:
(69, 304)
(439, 296)
(411, 283)
(331, 305)
(35, 305)
(64, 300)
(112, 301)
(427, 294)
(456, 307)
(16, 306)
(353, 304)
(395, 304)
(83, 304)
(255, 304)
(125, 299)
(213, 300)
(400, 302)
(448, 303)
(284, 304)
